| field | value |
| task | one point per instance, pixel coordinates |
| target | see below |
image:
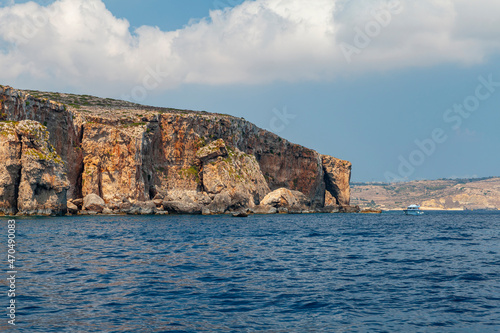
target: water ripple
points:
(283, 273)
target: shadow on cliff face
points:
(337, 178)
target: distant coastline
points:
(441, 194)
(444, 209)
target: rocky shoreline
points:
(71, 154)
(275, 202)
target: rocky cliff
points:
(32, 175)
(128, 154)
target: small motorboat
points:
(413, 210)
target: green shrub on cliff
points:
(39, 136)
(191, 172)
(8, 128)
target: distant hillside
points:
(481, 193)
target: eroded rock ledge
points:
(124, 158)
(33, 177)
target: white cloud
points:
(79, 43)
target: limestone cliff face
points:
(142, 159)
(127, 153)
(33, 176)
(112, 163)
(232, 172)
(282, 163)
(10, 168)
(337, 178)
(17, 105)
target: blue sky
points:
(379, 83)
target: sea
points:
(388, 272)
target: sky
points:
(403, 89)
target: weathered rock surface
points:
(10, 168)
(106, 211)
(237, 174)
(185, 202)
(371, 211)
(330, 200)
(72, 208)
(182, 207)
(93, 202)
(33, 177)
(43, 187)
(284, 198)
(78, 202)
(220, 204)
(138, 208)
(264, 209)
(64, 133)
(337, 178)
(125, 208)
(112, 163)
(330, 209)
(147, 208)
(350, 209)
(282, 163)
(127, 154)
(213, 150)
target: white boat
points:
(413, 210)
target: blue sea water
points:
(278, 273)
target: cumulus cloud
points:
(79, 43)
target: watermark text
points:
(11, 272)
